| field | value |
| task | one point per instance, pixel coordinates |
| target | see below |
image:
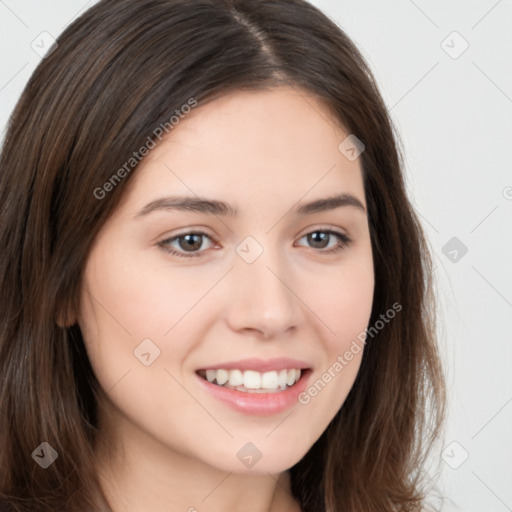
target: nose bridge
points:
(262, 298)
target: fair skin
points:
(174, 443)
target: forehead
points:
(264, 144)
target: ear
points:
(65, 317)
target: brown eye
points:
(326, 240)
(190, 242)
(318, 239)
(187, 244)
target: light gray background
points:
(455, 120)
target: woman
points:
(215, 293)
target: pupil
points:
(318, 239)
(190, 242)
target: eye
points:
(327, 240)
(187, 244)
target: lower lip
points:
(258, 404)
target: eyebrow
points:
(330, 203)
(187, 203)
(215, 207)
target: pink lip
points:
(258, 404)
(259, 365)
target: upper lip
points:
(259, 365)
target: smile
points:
(251, 381)
(255, 386)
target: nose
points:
(261, 297)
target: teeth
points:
(251, 380)
(222, 377)
(269, 380)
(236, 378)
(290, 379)
(282, 378)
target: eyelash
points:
(344, 242)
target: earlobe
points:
(65, 318)
(65, 323)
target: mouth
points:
(251, 381)
(254, 386)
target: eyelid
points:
(194, 230)
(164, 243)
(324, 227)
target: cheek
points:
(128, 300)
(117, 309)
(353, 298)
(140, 296)
(342, 301)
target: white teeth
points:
(252, 380)
(290, 379)
(269, 380)
(236, 378)
(281, 379)
(222, 377)
(255, 381)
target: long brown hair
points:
(119, 72)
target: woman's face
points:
(225, 255)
